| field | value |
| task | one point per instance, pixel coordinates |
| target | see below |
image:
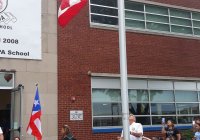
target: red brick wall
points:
(82, 49)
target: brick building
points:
(22, 30)
(163, 39)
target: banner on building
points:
(20, 29)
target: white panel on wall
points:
(102, 82)
(185, 85)
(137, 84)
(158, 84)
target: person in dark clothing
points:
(66, 133)
(170, 131)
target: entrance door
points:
(16, 112)
(5, 107)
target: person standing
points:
(136, 129)
(170, 131)
(1, 134)
(196, 129)
(66, 133)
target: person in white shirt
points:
(136, 129)
(1, 134)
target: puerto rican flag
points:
(68, 9)
(34, 126)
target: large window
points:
(146, 17)
(150, 100)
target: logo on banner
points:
(6, 17)
(3, 5)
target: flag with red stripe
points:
(34, 126)
(68, 9)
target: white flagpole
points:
(123, 69)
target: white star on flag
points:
(36, 102)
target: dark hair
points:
(66, 129)
(171, 123)
(197, 118)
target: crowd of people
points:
(168, 129)
(136, 131)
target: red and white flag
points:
(68, 9)
(34, 126)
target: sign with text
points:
(76, 115)
(20, 29)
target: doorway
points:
(11, 112)
(5, 112)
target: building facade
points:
(20, 72)
(162, 38)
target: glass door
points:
(16, 112)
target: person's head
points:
(197, 124)
(170, 123)
(65, 130)
(197, 120)
(16, 138)
(132, 118)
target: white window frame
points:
(155, 32)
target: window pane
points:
(106, 109)
(196, 23)
(187, 108)
(106, 95)
(157, 26)
(196, 16)
(157, 18)
(163, 109)
(179, 13)
(135, 24)
(105, 2)
(103, 10)
(104, 20)
(179, 29)
(138, 95)
(143, 120)
(183, 85)
(186, 96)
(161, 96)
(134, 6)
(179, 21)
(156, 9)
(158, 119)
(107, 121)
(185, 119)
(134, 15)
(139, 108)
(197, 31)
